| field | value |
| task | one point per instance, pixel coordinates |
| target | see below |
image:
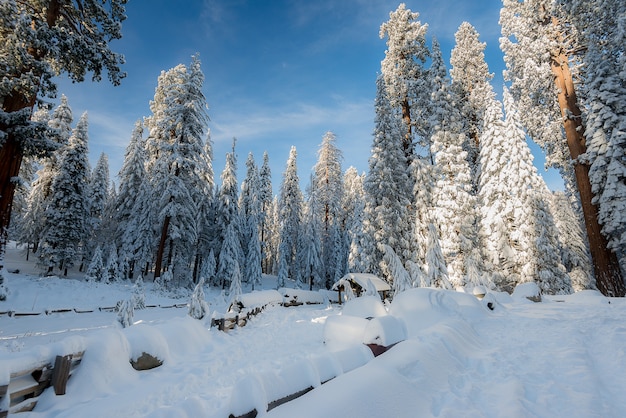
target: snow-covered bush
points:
(3, 288)
(95, 271)
(126, 313)
(139, 293)
(198, 306)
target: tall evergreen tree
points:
(601, 24)
(327, 184)
(290, 206)
(537, 42)
(39, 40)
(387, 185)
(177, 127)
(34, 221)
(354, 210)
(454, 204)
(250, 215)
(310, 241)
(574, 251)
(404, 74)
(470, 82)
(67, 214)
(131, 175)
(265, 199)
(98, 194)
(227, 201)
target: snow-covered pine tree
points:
(387, 186)
(4, 291)
(437, 274)
(131, 175)
(310, 241)
(354, 213)
(404, 74)
(234, 291)
(126, 313)
(538, 41)
(470, 83)
(273, 237)
(574, 251)
(37, 43)
(290, 205)
(95, 270)
(265, 199)
(229, 256)
(283, 266)
(401, 278)
(207, 272)
(227, 206)
(112, 271)
(198, 306)
(98, 194)
(139, 241)
(533, 233)
(327, 184)
(454, 210)
(601, 24)
(206, 210)
(139, 293)
(250, 215)
(34, 221)
(67, 213)
(177, 127)
(252, 269)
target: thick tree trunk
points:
(161, 249)
(605, 264)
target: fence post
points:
(61, 373)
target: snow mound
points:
(421, 308)
(591, 297)
(260, 298)
(384, 331)
(294, 296)
(344, 331)
(147, 339)
(529, 290)
(365, 307)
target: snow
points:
(365, 307)
(561, 357)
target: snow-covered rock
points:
(528, 290)
(384, 331)
(364, 307)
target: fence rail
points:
(22, 391)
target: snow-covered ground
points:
(563, 357)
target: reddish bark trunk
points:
(605, 264)
(161, 250)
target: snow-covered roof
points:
(362, 278)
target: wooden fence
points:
(22, 391)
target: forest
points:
(451, 198)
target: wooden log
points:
(61, 373)
(251, 414)
(288, 398)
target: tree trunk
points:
(407, 142)
(11, 155)
(605, 263)
(161, 249)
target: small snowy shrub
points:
(95, 271)
(126, 313)
(3, 288)
(198, 307)
(139, 294)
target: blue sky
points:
(278, 73)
